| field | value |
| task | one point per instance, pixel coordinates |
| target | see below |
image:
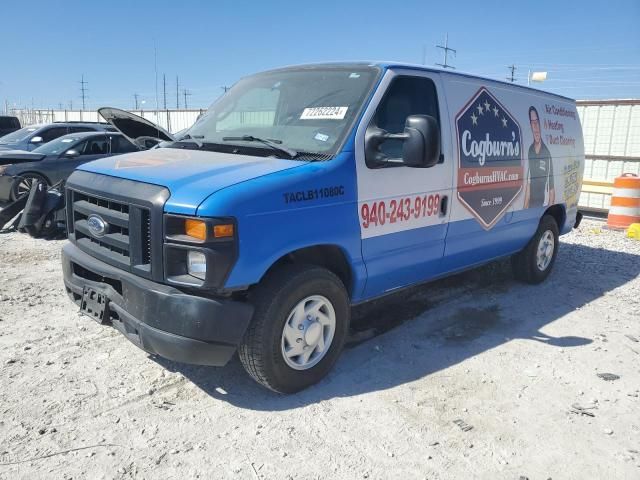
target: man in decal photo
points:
(540, 189)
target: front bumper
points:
(160, 319)
(6, 184)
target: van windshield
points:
(303, 109)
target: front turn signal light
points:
(196, 229)
(223, 231)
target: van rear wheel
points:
(299, 327)
(534, 263)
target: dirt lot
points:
(471, 377)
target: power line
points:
(83, 91)
(512, 77)
(164, 90)
(177, 94)
(445, 51)
(186, 94)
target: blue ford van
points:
(305, 190)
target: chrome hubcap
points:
(308, 332)
(546, 246)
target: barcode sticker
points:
(324, 113)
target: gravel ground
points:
(475, 376)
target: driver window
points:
(52, 134)
(96, 146)
(406, 96)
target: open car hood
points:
(137, 129)
(10, 157)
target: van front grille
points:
(121, 223)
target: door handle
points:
(444, 203)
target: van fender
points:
(334, 258)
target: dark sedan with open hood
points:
(56, 160)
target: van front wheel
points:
(534, 263)
(298, 329)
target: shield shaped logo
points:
(490, 160)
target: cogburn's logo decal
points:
(490, 161)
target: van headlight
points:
(197, 264)
(199, 252)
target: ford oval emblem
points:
(97, 226)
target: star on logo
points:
(474, 119)
(487, 106)
(480, 110)
(504, 122)
(495, 111)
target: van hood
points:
(190, 175)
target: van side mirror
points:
(421, 143)
(36, 139)
(422, 146)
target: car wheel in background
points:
(23, 183)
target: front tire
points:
(298, 330)
(534, 263)
(23, 183)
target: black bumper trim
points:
(158, 318)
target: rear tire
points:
(287, 346)
(534, 263)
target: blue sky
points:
(591, 49)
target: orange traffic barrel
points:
(625, 202)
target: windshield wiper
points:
(275, 144)
(194, 139)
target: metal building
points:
(611, 131)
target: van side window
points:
(406, 96)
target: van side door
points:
(403, 211)
(490, 121)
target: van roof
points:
(425, 68)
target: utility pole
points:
(512, 77)
(445, 50)
(83, 91)
(177, 94)
(60, 106)
(135, 99)
(70, 104)
(186, 94)
(164, 90)
(225, 88)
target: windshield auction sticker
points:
(324, 113)
(490, 166)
